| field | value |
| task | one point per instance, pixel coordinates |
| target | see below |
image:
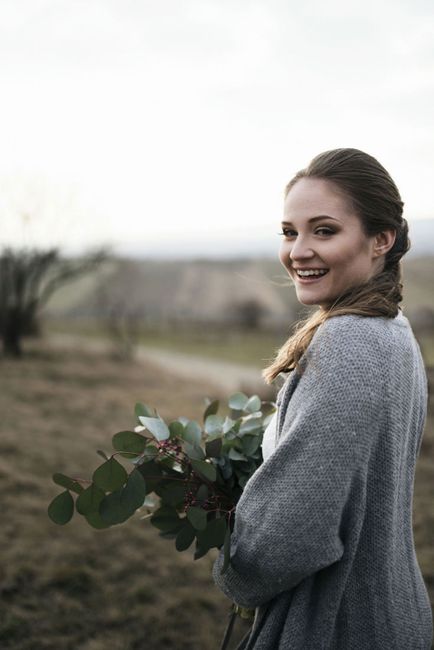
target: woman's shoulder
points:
(365, 336)
(364, 328)
(363, 323)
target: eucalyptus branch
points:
(190, 472)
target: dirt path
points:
(226, 375)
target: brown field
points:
(74, 588)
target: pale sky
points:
(175, 124)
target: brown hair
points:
(374, 197)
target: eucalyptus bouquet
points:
(186, 477)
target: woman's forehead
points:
(312, 197)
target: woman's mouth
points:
(310, 275)
(305, 273)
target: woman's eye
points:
(287, 232)
(324, 231)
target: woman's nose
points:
(300, 249)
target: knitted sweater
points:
(322, 544)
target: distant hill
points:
(186, 290)
(218, 291)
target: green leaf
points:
(110, 476)
(202, 493)
(89, 500)
(228, 424)
(166, 462)
(192, 433)
(213, 447)
(250, 425)
(68, 483)
(176, 429)
(156, 426)
(150, 453)
(199, 552)
(197, 517)
(129, 441)
(174, 493)
(253, 404)
(151, 502)
(242, 480)
(112, 510)
(250, 444)
(226, 550)
(236, 455)
(194, 452)
(95, 520)
(61, 508)
(225, 466)
(165, 519)
(205, 469)
(214, 424)
(185, 537)
(143, 410)
(134, 492)
(121, 504)
(238, 401)
(152, 473)
(213, 536)
(211, 409)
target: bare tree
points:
(121, 307)
(28, 278)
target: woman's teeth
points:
(306, 273)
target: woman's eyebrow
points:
(313, 219)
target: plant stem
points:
(229, 628)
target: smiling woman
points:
(322, 545)
(342, 215)
(333, 243)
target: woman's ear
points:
(383, 242)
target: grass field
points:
(75, 588)
(255, 348)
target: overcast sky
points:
(173, 125)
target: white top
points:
(269, 439)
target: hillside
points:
(73, 587)
(210, 291)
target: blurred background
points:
(145, 148)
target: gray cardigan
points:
(322, 545)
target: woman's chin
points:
(306, 298)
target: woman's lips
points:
(310, 279)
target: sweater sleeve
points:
(288, 522)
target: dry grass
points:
(75, 588)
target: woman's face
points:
(324, 249)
